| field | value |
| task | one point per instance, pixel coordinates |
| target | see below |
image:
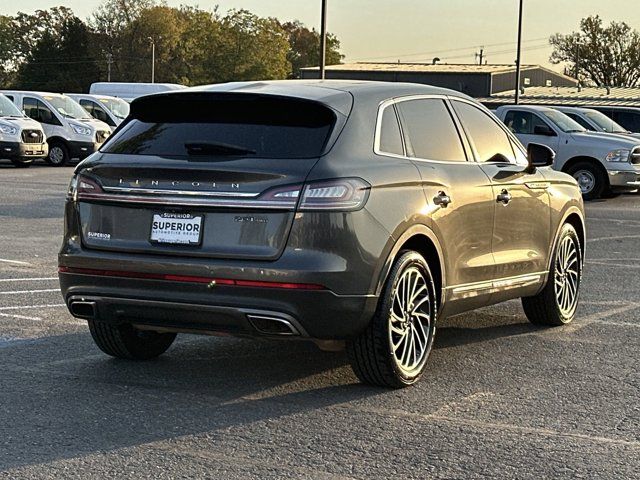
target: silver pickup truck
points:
(602, 163)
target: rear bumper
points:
(624, 179)
(23, 150)
(197, 308)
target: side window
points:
(628, 120)
(30, 107)
(521, 155)
(100, 114)
(489, 139)
(390, 136)
(10, 97)
(523, 123)
(88, 106)
(46, 115)
(429, 130)
(581, 121)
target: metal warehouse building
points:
(474, 80)
(569, 96)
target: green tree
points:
(61, 61)
(7, 67)
(304, 48)
(606, 55)
(252, 48)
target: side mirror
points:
(543, 130)
(539, 156)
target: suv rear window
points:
(215, 124)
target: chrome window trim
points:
(396, 100)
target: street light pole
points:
(153, 59)
(323, 38)
(518, 57)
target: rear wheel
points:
(22, 162)
(58, 154)
(591, 180)
(393, 350)
(556, 304)
(126, 341)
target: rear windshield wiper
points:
(211, 148)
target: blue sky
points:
(415, 30)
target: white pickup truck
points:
(602, 163)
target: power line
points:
(437, 52)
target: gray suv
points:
(353, 214)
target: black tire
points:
(544, 308)
(125, 341)
(592, 172)
(372, 354)
(22, 162)
(58, 154)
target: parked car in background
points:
(352, 213)
(71, 132)
(601, 163)
(129, 91)
(22, 140)
(594, 121)
(111, 110)
(628, 117)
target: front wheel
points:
(126, 341)
(393, 350)
(58, 154)
(22, 162)
(556, 304)
(591, 180)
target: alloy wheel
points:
(410, 321)
(567, 276)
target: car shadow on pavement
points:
(80, 402)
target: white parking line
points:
(39, 279)
(617, 237)
(16, 292)
(24, 307)
(20, 317)
(15, 262)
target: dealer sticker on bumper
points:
(176, 228)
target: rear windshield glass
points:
(213, 125)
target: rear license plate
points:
(176, 229)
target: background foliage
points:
(54, 50)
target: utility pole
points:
(578, 44)
(323, 38)
(109, 62)
(480, 55)
(518, 58)
(153, 59)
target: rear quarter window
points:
(257, 125)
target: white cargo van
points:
(71, 131)
(22, 140)
(111, 110)
(130, 91)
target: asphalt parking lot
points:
(500, 398)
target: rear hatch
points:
(204, 174)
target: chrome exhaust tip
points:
(82, 309)
(269, 325)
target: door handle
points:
(442, 199)
(504, 197)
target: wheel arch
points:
(575, 218)
(422, 240)
(57, 139)
(585, 158)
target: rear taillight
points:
(81, 186)
(342, 194)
